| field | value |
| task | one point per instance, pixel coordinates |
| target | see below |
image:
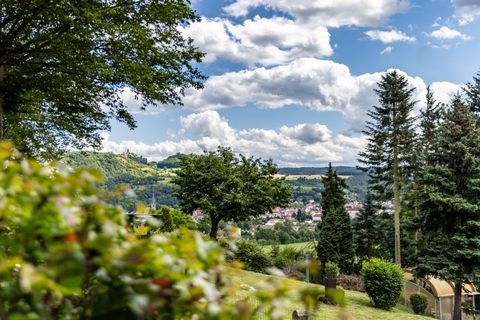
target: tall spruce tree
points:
(365, 230)
(388, 157)
(450, 207)
(335, 237)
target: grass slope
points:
(358, 304)
(305, 246)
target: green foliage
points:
(366, 231)
(65, 64)
(331, 269)
(127, 171)
(390, 127)
(252, 256)
(333, 194)
(472, 91)
(283, 233)
(227, 187)
(166, 218)
(286, 256)
(64, 254)
(389, 156)
(383, 282)
(419, 302)
(450, 201)
(335, 240)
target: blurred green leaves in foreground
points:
(65, 254)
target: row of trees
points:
(432, 173)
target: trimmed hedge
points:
(383, 282)
(419, 303)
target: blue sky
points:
(293, 80)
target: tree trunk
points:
(457, 305)
(2, 101)
(396, 202)
(214, 227)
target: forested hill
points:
(147, 178)
(144, 178)
(309, 171)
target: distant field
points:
(358, 304)
(306, 246)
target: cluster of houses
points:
(312, 210)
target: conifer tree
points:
(333, 194)
(365, 230)
(335, 237)
(388, 157)
(472, 91)
(450, 207)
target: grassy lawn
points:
(305, 246)
(358, 304)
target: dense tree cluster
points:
(432, 180)
(65, 64)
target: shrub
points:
(350, 282)
(331, 269)
(64, 254)
(383, 282)
(419, 302)
(252, 256)
(286, 256)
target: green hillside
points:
(146, 178)
(143, 178)
(358, 304)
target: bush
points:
(252, 256)
(65, 254)
(286, 256)
(350, 282)
(419, 302)
(383, 282)
(331, 269)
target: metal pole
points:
(307, 272)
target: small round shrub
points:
(383, 282)
(331, 269)
(252, 256)
(419, 303)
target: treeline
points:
(309, 171)
(148, 178)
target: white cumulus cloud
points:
(303, 144)
(331, 13)
(321, 85)
(389, 36)
(265, 41)
(446, 33)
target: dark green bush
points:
(252, 256)
(383, 282)
(419, 302)
(286, 256)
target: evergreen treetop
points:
(333, 194)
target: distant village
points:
(312, 210)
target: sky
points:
(292, 80)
